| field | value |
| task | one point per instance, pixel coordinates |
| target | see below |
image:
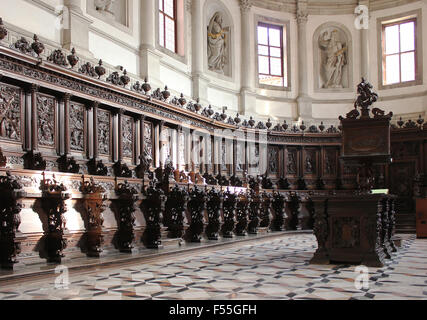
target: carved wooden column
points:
(242, 208)
(66, 100)
(255, 208)
(175, 212)
(278, 205)
(125, 208)
(229, 211)
(34, 132)
(214, 207)
(10, 208)
(53, 204)
(153, 207)
(93, 205)
(119, 132)
(266, 216)
(321, 231)
(196, 208)
(95, 130)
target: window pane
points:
(263, 65)
(169, 8)
(408, 66)
(276, 52)
(170, 34)
(276, 66)
(274, 37)
(392, 39)
(263, 50)
(271, 80)
(392, 69)
(407, 38)
(161, 30)
(262, 35)
(161, 5)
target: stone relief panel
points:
(332, 55)
(240, 156)
(10, 113)
(330, 166)
(291, 161)
(310, 162)
(127, 136)
(110, 10)
(104, 132)
(218, 42)
(46, 120)
(77, 127)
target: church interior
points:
(213, 150)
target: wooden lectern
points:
(357, 227)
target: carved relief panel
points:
(46, 120)
(224, 155)
(148, 140)
(104, 132)
(273, 160)
(77, 127)
(127, 136)
(240, 156)
(253, 159)
(292, 156)
(11, 113)
(181, 150)
(310, 162)
(330, 162)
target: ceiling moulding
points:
(328, 7)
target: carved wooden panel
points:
(46, 120)
(330, 162)
(273, 159)
(224, 155)
(345, 232)
(240, 156)
(77, 127)
(181, 150)
(253, 158)
(310, 162)
(127, 136)
(11, 113)
(148, 139)
(402, 176)
(291, 161)
(104, 132)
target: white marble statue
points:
(216, 44)
(335, 60)
(104, 5)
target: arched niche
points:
(219, 42)
(333, 58)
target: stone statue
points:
(336, 59)
(104, 6)
(216, 44)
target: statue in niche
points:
(334, 60)
(104, 6)
(216, 44)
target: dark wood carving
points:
(58, 57)
(94, 205)
(175, 211)
(214, 206)
(97, 168)
(77, 127)
(122, 170)
(3, 159)
(242, 210)
(125, 205)
(255, 209)
(53, 203)
(46, 120)
(10, 113)
(266, 214)
(68, 164)
(229, 211)
(34, 161)
(196, 208)
(278, 205)
(153, 207)
(10, 208)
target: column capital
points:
(302, 11)
(188, 5)
(245, 5)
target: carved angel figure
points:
(104, 5)
(336, 59)
(216, 44)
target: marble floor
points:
(272, 269)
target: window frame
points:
(286, 53)
(400, 52)
(269, 56)
(175, 21)
(414, 14)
